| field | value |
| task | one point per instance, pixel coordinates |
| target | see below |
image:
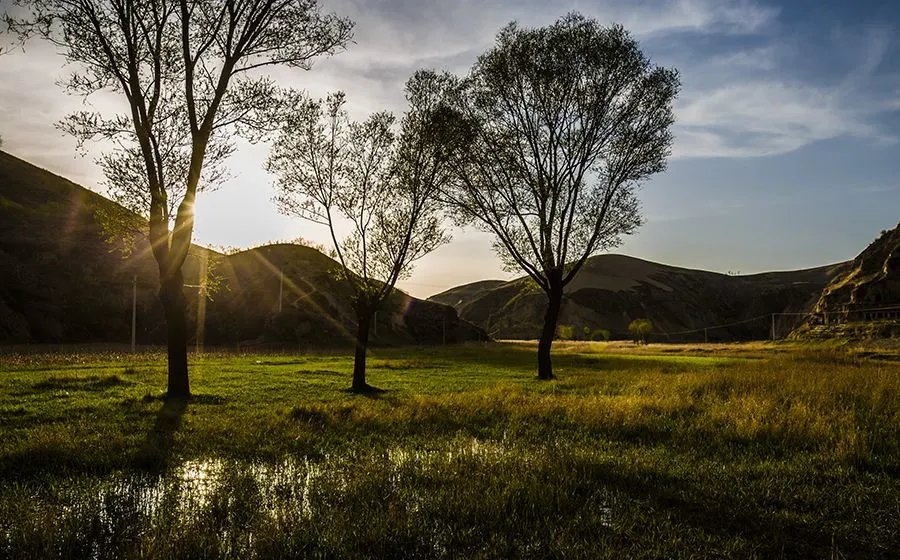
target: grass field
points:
(749, 451)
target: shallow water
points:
(232, 500)
(426, 501)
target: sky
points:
(787, 149)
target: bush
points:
(600, 334)
(639, 329)
(565, 332)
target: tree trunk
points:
(364, 318)
(554, 304)
(171, 294)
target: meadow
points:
(706, 451)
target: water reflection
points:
(236, 503)
(293, 487)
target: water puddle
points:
(235, 500)
(300, 485)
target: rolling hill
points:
(63, 280)
(612, 290)
(863, 301)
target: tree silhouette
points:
(189, 72)
(335, 172)
(563, 123)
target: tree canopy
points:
(564, 122)
(376, 183)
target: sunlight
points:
(304, 295)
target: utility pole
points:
(773, 327)
(443, 330)
(705, 335)
(134, 314)
(281, 290)
(201, 304)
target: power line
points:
(716, 326)
(705, 329)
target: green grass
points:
(750, 451)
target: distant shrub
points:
(639, 329)
(600, 334)
(565, 332)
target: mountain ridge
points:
(63, 279)
(611, 290)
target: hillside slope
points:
(61, 280)
(612, 290)
(864, 297)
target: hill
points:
(612, 290)
(62, 279)
(863, 300)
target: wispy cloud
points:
(394, 38)
(758, 58)
(764, 118)
(698, 16)
(770, 113)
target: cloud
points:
(764, 118)
(697, 16)
(30, 105)
(394, 38)
(763, 113)
(759, 58)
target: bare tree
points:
(379, 184)
(189, 71)
(563, 124)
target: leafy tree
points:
(640, 329)
(600, 334)
(563, 123)
(566, 332)
(188, 71)
(332, 171)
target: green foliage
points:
(600, 334)
(382, 181)
(639, 329)
(571, 332)
(792, 453)
(551, 88)
(565, 332)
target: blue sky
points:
(787, 151)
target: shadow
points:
(156, 450)
(367, 391)
(89, 383)
(195, 398)
(727, 516)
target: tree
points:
(563, 123)
(189, 72)
(332, 171)
(2, 52)
(566, 332)
(639, 329)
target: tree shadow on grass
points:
(728, 517)
(367, 391)
(156, 450)
(92, 383)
